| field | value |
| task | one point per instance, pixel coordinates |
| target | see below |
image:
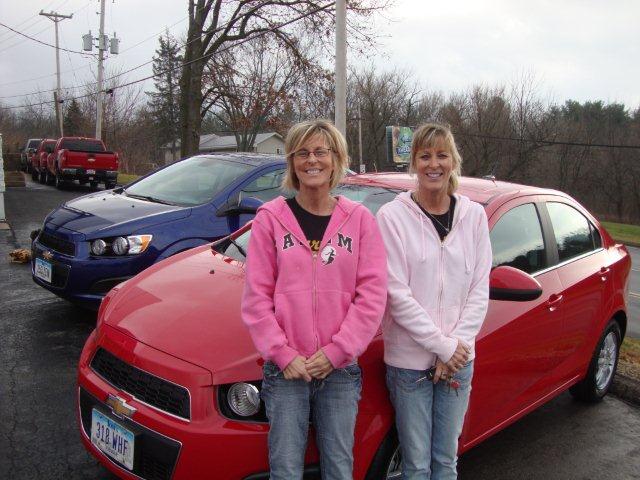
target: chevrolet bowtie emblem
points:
(47, 255)
(119, 406)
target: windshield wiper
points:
(148, 198)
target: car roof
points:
(251, 158)
(480, 190)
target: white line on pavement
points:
(633, 294)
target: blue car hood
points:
(102, 211)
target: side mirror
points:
(511, 284)
(245, 205)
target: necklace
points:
(447, 227)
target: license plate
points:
(43, 270)
(112, 439)
(91, 172)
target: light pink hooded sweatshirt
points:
(296, 302)
(438, 291)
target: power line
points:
(547, 142)
(203, 57)
(40, 41)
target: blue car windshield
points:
(190, 182)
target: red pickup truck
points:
(84, 159)
(39, 159)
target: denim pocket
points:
(353, 371)
(405, 379)
(271, 370)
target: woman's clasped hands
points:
(300, 368)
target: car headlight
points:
(120, 246)
(126, 245)
(98, 247)
(244, 399)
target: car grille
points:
(56, 243)
(155, 455)
(148, 388)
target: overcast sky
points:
(575, 49)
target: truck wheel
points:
(602, 367)
(58, 181)
(386, 463)
(93, 185)
(109, 185)
(34, 175)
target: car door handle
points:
(604, 271)
(554, 301)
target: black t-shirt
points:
(442, 222)
(313, 226)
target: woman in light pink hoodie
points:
(439, 259)
(314, 296)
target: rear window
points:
(49, 146)
(34, 143)
(83, 145)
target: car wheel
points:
(387, 462)
(109, 185)
(93, 185)
(602, 367)
(34, 175)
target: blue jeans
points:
(429, 421)
(332, 405)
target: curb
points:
(626, 388)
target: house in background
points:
(265, 143)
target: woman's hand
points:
(459, 358)
(297, 370)
(442, 371)
(318, 365)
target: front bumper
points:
(205, 446)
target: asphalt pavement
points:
(41, 337)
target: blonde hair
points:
(432, 135)
(299, 134)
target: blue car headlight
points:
(129, 245)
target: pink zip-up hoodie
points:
(438, 291)
(296, 302)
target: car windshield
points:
(190, 182)
(82, 145)
(370, 196)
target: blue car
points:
(91, 243)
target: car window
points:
(516, 240)
(573, 232)
(82, 145)
(371, 197)
(34, 143)
(193, 181)
(235, 248)
(266, 187)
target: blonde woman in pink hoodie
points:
(439, 259)
(315, 293)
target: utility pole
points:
(362, 169)
(341, 67)
(102, 46)
(55, 17)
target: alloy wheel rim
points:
(395, 465)
(606, 361)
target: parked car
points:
(39, 159)
(25, 156)
(84, 159)
(169, 380)
(91, 243)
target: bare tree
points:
(215, 25)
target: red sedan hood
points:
(189, 306)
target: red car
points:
(168, 384)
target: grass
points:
(124, 178)
(629, 361)
(629, 234)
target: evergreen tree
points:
(73, 123)
(165, 99)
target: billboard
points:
(399, 144)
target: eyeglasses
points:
(319, 153)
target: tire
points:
(34, 175)
(109, 185)
(58, 181)
(602, 367)
(93, 185)
(386, 463)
